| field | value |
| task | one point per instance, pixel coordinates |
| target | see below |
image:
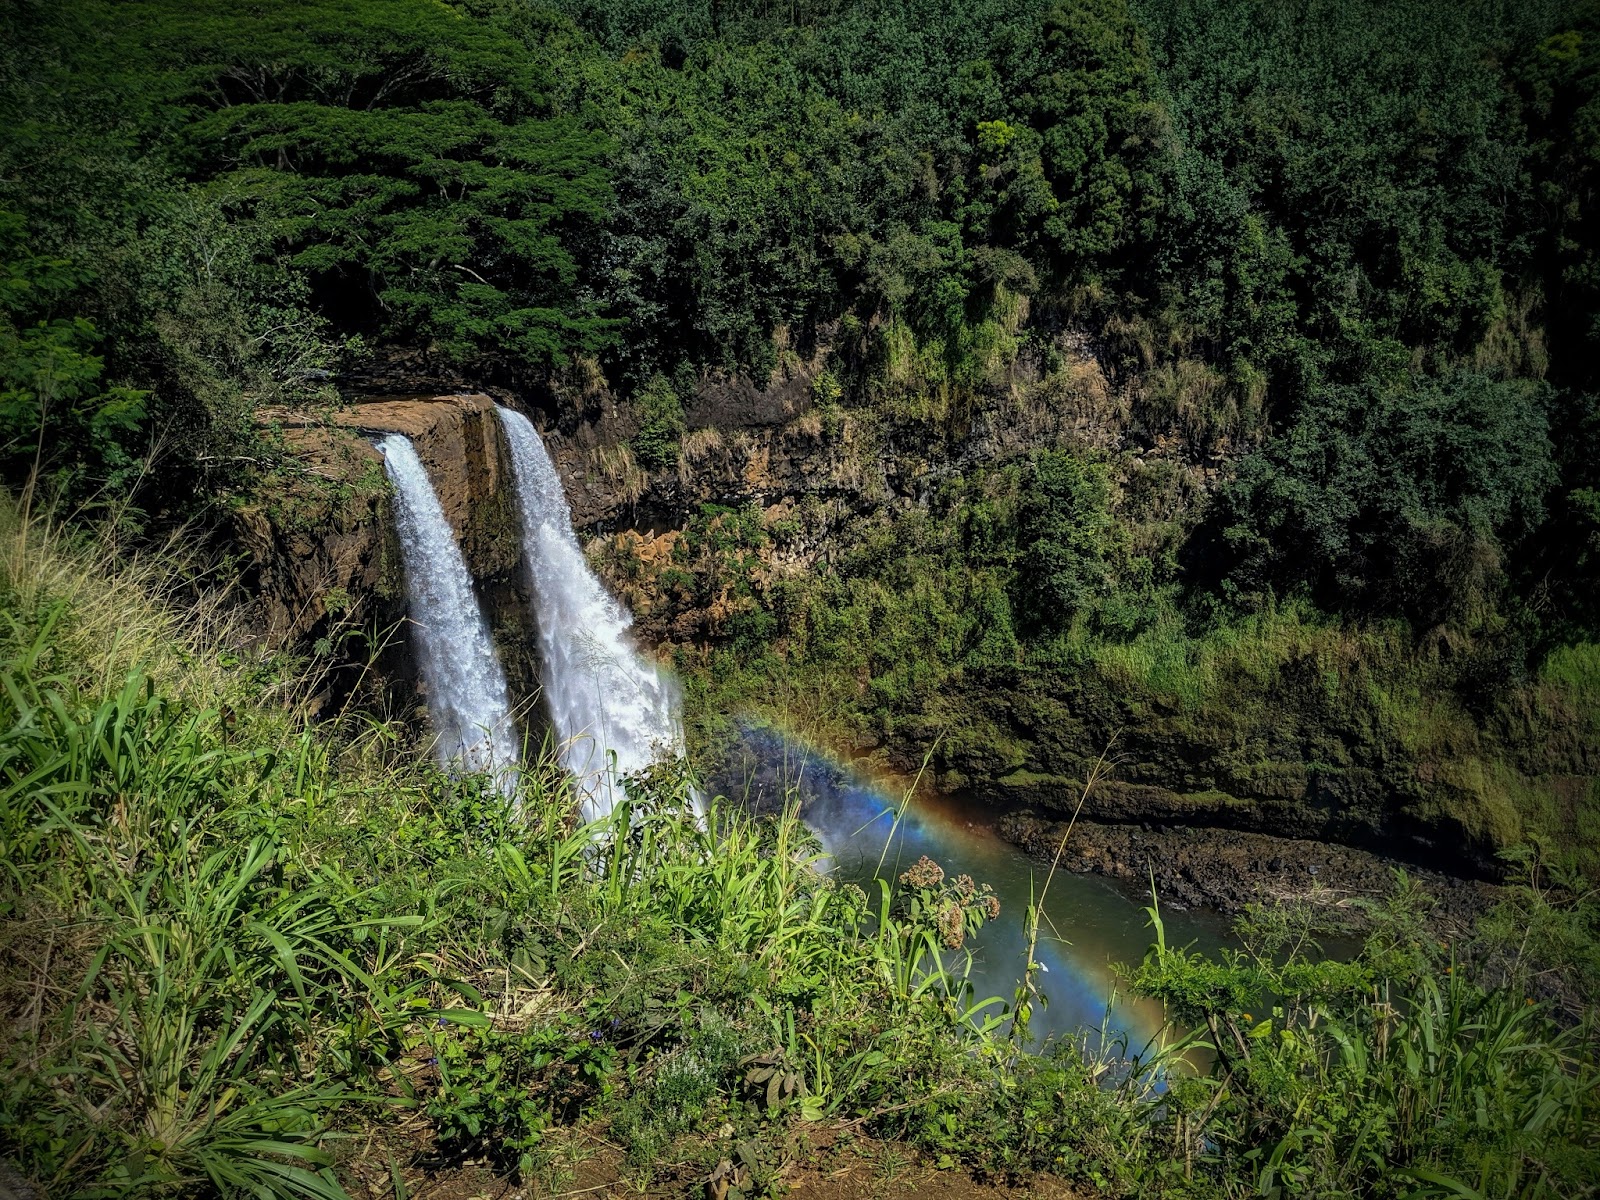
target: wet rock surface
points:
(1226, 869)
(321, 548)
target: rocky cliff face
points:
(1332, 739)
(769, 482)
(459, 441)
(321, 550)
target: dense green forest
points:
(1350, 242)
(1232, 365)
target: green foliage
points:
(1408, 497)
(686, 1089)
(403, 147)
(197, 1027)
(1064, 525)
(498, 1091)
(56, 413)
(1092, 102)
(1559, 76)
(1546, 925)
(660, 415)
(1380, 1073)
(191, 304)
(1389, 196)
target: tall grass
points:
(1392, 1073)
(1575, 667)
(230, 943)
(96, 609)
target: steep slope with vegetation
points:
(248, 955)
(1260, 434)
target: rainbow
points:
(877, 824)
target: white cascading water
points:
(467, 696)
(613, 709)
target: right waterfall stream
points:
(614, 710)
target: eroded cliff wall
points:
(1308, 731)
(321, 555)
(773, 516)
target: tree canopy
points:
(1347, 249)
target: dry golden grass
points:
(697, 444)
(807, 425)
(1189, 395)
(618, 471)
(110, 607)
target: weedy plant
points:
(1390, 1073)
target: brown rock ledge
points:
(324, 545)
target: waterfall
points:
(613, 710)
(467, 696)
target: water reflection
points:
(871, 829)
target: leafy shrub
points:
(1408, 496)
(660, 415)
(497, 1091)
(1065, 525)
(57, 414)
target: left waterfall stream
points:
(468, 700)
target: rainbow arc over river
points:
(878, 825)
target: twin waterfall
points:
(614, 712)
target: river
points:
(870, 827)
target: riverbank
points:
(1193, 867)
(1226, 869)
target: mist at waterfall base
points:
(1090, 923)
(615, 712)
(468, 701)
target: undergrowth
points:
(232, 939)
